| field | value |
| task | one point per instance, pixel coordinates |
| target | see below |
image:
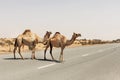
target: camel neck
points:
(69, 42)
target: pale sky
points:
(99, 19)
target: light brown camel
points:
(30, 39)
(61, 41)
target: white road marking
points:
(42, 67)
(85, 55)
(99, 51)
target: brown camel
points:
(59, 40)
(30, 39)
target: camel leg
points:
(15, 48)
(61, 55)
(20, 53)
(51, 52)
(45, 52)
(33, 54)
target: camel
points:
(61, 41)
(30, 39)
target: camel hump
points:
(57, 33)
(27, 30)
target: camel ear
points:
(79, 34)
(73, 32)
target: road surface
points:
(97, 62)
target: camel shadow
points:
(16, 59)
(49, 60)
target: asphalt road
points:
(98, 62)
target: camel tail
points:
(15, 45)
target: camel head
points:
(76, 35)
(46, 37)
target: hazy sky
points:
(92, 18)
